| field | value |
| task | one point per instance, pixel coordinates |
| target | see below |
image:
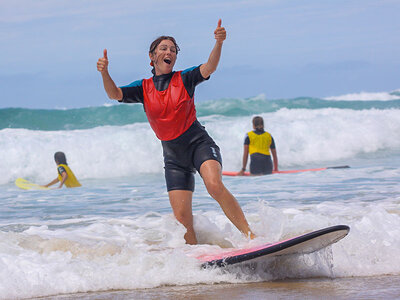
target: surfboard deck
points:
(230, 173)
(303, 244)
(27, 185)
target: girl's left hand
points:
(220, 32)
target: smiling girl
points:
(168, 100)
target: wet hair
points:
(258, 122)
(60, 158)
(157, 42)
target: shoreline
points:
(374, 287)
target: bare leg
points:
(181, 203)
(210, 171)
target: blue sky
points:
(283, 49)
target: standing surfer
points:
(168, 100)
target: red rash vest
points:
(170, 112)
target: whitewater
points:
(117, 231)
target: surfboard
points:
(303, 244)
(27, 185)
(230, 173)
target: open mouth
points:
(167, 61)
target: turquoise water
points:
(117, 115)
(117, 231)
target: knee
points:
(215, 188)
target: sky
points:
(276, 48)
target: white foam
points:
(313, 138)
(149, 251)
(366, 96)
(102, 152)
(308, 138)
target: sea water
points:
(117, 231)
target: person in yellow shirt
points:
(260, 145)
(65, 174)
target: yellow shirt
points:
(259, 143)
(71, 179)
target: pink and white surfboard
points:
(306, 243)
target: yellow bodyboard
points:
(27, 185)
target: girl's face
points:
(164, 57)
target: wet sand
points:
(381, 287)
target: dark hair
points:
(258, 122)
(60, 158)
(157, 42)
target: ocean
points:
(116, 237)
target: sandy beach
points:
(381, 287)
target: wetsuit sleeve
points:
(272, 146)
(247, 140)
(61, 169)
(192, 77)
(132, 93)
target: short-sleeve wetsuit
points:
(168, 101)
(71, 179)
(260, 142)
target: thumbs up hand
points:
(102, 63)
(220, 32)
